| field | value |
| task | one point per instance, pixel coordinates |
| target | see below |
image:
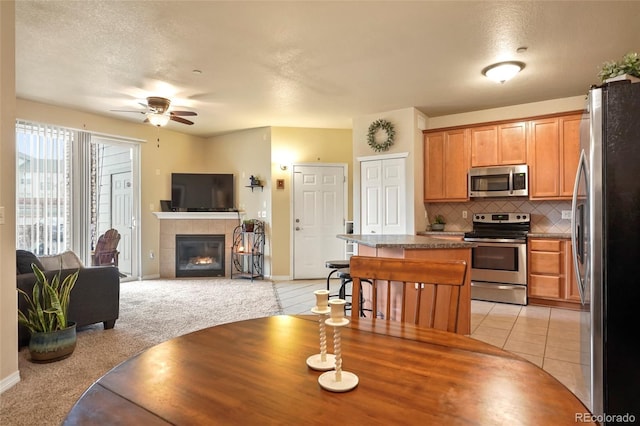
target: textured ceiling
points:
(311, 64)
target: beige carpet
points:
(150, 312)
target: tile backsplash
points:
(546, 216)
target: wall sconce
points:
(503, 71)
(283, 167)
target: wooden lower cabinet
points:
(551, 276)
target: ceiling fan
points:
(158, 112)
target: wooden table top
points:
(254, 372)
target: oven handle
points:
(496, 242)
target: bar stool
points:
(335, 266)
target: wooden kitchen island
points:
(421, 247)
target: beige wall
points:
(246, 153)
(9, 374)
(294, 146)
(510, 112)
(408, 138)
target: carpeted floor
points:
(150, 312)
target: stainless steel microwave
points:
(503, 181)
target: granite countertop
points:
(404, 241)
(447, 233)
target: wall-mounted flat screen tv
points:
(201, 192)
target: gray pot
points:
(54, 345)
(437, 226)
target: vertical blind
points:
(43, 187)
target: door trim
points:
(382, 156)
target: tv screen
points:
(201, 192)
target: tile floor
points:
(547, 337)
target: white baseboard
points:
(151, 277)
(10, 381)
(280, 278)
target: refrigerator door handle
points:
(577, 235)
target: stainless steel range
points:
(499, 261)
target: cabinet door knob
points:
(297, 228)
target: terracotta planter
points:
(53, 346)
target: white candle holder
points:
(337, 381)
(322, 361)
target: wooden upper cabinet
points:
(434, 166)
(553, 153)
(544, 159)
(446, 164)
(512, 143)
(499, 145)
(484, 146)
(570, 152)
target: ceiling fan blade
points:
(181, 120)
(126, 110)
(183, 113)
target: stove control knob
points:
(482, 217)
(518, 217)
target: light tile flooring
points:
(547, 337)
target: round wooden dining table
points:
(254, 373)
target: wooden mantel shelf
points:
(198, 215)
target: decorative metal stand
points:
(337, 381)
(322, 361)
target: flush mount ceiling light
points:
(503, 71)
(158, 119)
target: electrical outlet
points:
(464, 214)
(566, 214)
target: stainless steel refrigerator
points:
(606, 241)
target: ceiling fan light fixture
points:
(158, 119)
(503, 71)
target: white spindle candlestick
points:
(321, 361)
(337, 381)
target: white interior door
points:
(371, 197)
(121, 216)
(318, 216)
(383, 197)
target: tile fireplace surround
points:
(198, 223)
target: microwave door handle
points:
(511, 181)
(578, 221)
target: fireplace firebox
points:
(200, 255)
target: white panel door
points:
(318, 216)
(371, 197)
(394, 209)
(383, 197)
(121, 215)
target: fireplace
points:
(200, 255)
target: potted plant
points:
(248, 224)
(438, 223)
(53, 337)
(626, 69)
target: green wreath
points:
(371, 135)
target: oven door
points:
(499, 261)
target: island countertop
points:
(404, 241)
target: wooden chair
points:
(106, 252)
(422, 292)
